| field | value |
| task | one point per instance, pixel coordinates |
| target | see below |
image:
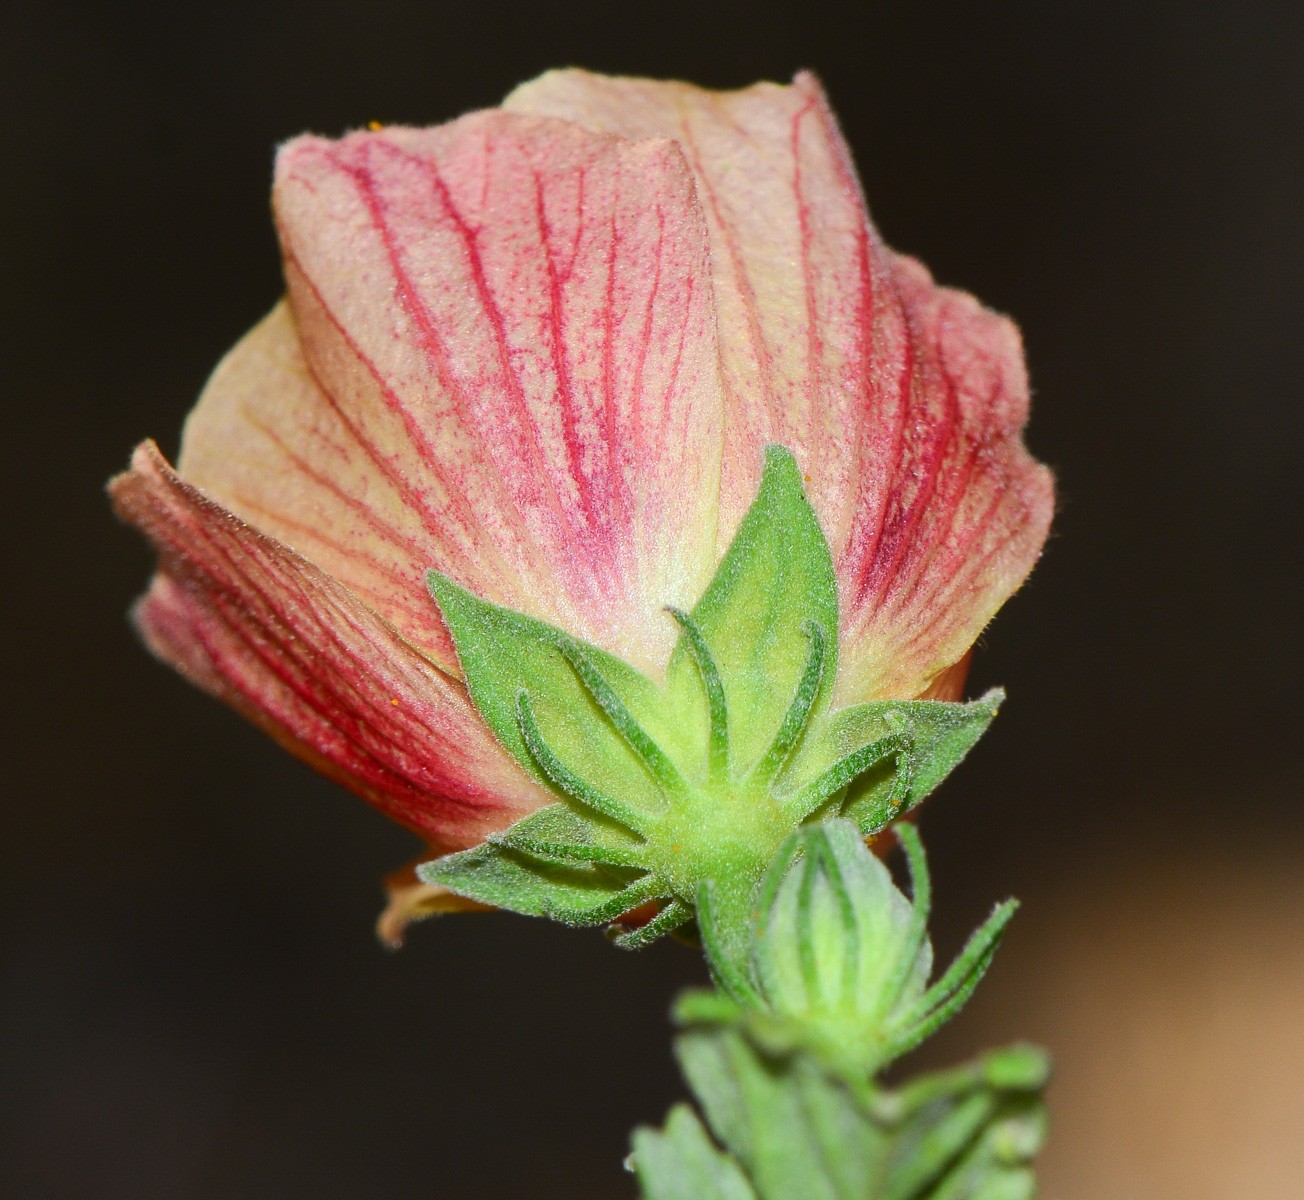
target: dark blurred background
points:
(192, 1002)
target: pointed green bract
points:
(775, 578)
(559, 832)
(672, 916)
(578, 894)
(937, 735)
(716, 704)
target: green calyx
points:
(681, 795)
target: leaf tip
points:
(440, 586)
(992, 699)
(781, 467)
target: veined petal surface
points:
(263, 629)
(903, 401)
(499, 360)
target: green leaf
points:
(974, 1145)
(933, 1140)
(775, 578)
(579, 894)
(682, 1163)
(504, 653)
(939, 736)
(800, 1133)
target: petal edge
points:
(290, 648)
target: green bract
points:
(683, 794)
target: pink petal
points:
(250, 621)
(502, 362)
(904, 402)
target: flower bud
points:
(840, 960)
(838, 949)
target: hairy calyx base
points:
(683, 792)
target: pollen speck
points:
(375, 126)
(394, 701)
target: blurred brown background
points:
(192, 1004)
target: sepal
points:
(775, 581)
(573, 893)
(505, 654)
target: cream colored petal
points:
(502, 362)
(904, 402)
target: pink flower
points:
(541, 348)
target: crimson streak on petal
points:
(247, 619)
(903, 401)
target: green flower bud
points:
(838, 950)
(840, 957)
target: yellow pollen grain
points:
(375, 127)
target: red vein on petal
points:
(411, 497)
(427, 618)
(972, 568)
(488, 304)
(933, 455)
(868, 533)
(616, 492)
(565, 394)
(746, 292)
(813, 383)
(644, 344)
(437, 353)
(321, 686)
(971, 426)
(367, 514)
